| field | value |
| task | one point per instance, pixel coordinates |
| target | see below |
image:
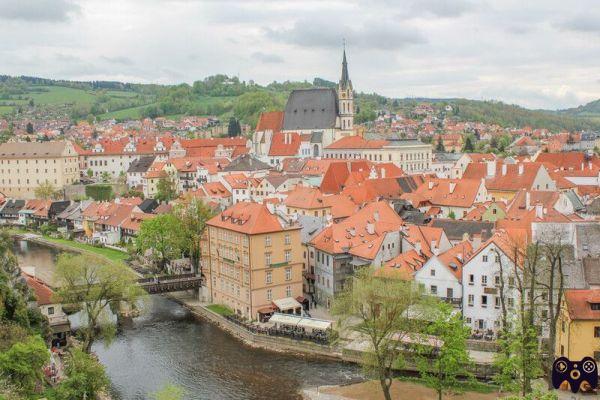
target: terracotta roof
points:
(579, 303)
(335, 177)
(249, 218)
(43, 294)
(272, 120)
(134, 221)
(356, 142)
(285, 144)
(360, 233)
(424, 235)
(402, 266)
(455, 257)
(373, 189)
(568, 160)
(512, 180)
(236, 180)
(305, 197)
(450, 192)
(213, 189)
(511, 242)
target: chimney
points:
(383, 171)
(376, 215)
(504, 167)
(539, 211)
(527, 200)
(434, 248)
(521, 168)
(430, 185)
(491, 168)
(452, 187)
(459, 256)
(582, 166)
(370, 228)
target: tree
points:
(105, 177)
(440, 145)
(99, 192)
(85, 377)
(29, 128)
(192, 218)
(378, 309)
(22, 363)
(169, 392)
(452, 215)
(469, 147)
(164, 237)
(90, 173)
(31, 103)
(233, 128)
(165, 190)
(441, 367)
(46, 191)
(96, 284)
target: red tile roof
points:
(248, 218)
(43, 294)
(272, 120)
(356, 142)
(450, 192)
(403, 266)
(579, 303)
(285, 144)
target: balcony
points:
(455, 301)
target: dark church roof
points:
(315, 108)
(246, 162)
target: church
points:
(312, 120)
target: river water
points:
(168, 345)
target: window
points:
(497, 304)
(595, 306)
(483, 280)
(511, 281)
(471, 279)
(267, 241)
(269, 294)
(484, 301)
(468, 320)
(485, 258)
(433, 289)
(288, 255)
(50, 310)
(288, 291)
(288, 239)
(511, 302)
(471, 300)
(268, 277)
(497, 258)
(544, 314)
(497, 280)
(449, 293)
(562, 325)
(288, 274)
(597, 331)
(433, 272)
(267, 259)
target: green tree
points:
(164, 237)
(85, 377)
(440, 145)
(442, 366)
(165, 190)
(469, 147)
(29, 128)
(90, 173)
(248, 106)
(192, 218)
(96, 284)
(169, 392)
(46, 191)
(379, 310)
(452, 215)
(105, 177)
(233, 127)
(22, 363)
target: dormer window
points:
(595, 306)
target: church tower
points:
(346, 98)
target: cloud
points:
(322, 33)
(267, 58)
(38, 10)
(443, 8)
(581, 23)
(121, 60)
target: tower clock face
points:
(343, 95)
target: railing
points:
(318, 337)
(171, 283)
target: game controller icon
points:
(574, 372)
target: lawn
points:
(220, 309)
(5, 110)
(60, 95)
(111, 254)
(126, 113)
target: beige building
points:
(24, 166)
(251, 258)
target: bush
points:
(99, 192)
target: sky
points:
(535, 53)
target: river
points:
(168, 345)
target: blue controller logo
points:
(575, 372)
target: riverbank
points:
(371, 390)
(71, 245)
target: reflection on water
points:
(168, 345)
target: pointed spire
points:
(345, 79)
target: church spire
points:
(345, 79)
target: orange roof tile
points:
(356, 142)
(579, 303)
(285, 144)
(271, 120)
(249, 218)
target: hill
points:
(224, 96)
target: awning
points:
(287, 303)
(303, 322)
(359, 263)
(266, 310)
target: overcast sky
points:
(536, 53)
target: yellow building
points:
(24, 166)
(578, 325)
(251, 258)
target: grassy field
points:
(5, 110)
(126, 113)
(220, 309)
(113, 255)
(60, 95)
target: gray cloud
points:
(121, 60)
(443, 8)
(38, 10)
(581, 23)
(322, 33)
(267, 58)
